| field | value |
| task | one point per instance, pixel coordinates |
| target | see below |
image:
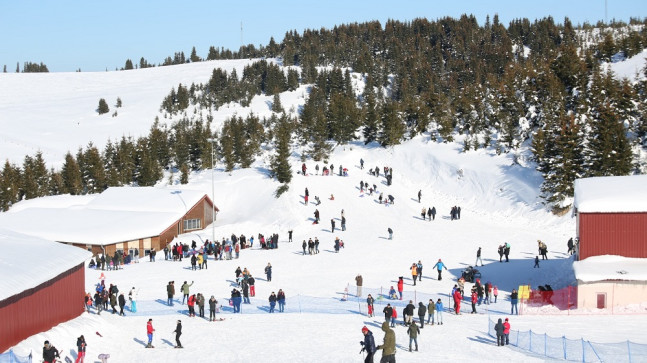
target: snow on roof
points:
(28, 261)
(611, 194)
(610, 267)
(116, 215)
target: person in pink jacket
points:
(495, 292)
(506, 331)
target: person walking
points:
(304, 245)
(413, 332)
(498, 328)
(388, 347)
(50, 353)
(478, 258)
(359, 281)
(368, 345)
(439, 266)
(80, 347)
(178, 332)
(149, 333)
(514, 299)
(212, 308)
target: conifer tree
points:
(55, 185)
(393, 127)
(148, 170)
(103, 107)
(280, 164)
(71, 175)
(92, 169)
(227, 146)
(128, 65)
(184, 174)
(194, 56)
(276, 103)
(609, 149)
(35, 177)
(10, 180)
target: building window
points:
(602, 300)
(191, 224)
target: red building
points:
(611, 215)
(43, 285)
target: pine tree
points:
(393, 127)
(276, 103)
(10, 180)
(128, 65)
(280, 164)
(93, 172)
(184, 174)
(55, 185)
(35, 177)
(148, 170)
(103, 107)
(71, 174)
(119, 104)
(194, 56)
(609, 149)
(227, 146)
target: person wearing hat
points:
(178, 332)
(388, 347)
(368, 345)
(506, 331)
(498, 328)
(50, 353)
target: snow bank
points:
(611, 194)
(610, 267)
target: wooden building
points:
(42, 285)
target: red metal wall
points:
(623, 234)
(41, 308)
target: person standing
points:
(268, 271)
(80, 347)
(433, 213)
(478, 258)
(252, 288)
(388, 313)
(431, 311)
(272, 300)
(132, 296)
(122, 304)
(439, 311)
(200, 302)
(439, 266)
(514, 299)
(178, 332)
(474, 299)
(536, 262)
(388, 347)
(245, 285)
(422, 311)
(371, 309)
(400, 286)
(290, 236)
(149, 333)
(303, 245)
(506, 331)
(368, 345)
(212, 308)
(332, 225)
(414, 273)
(280, 298)
(498, 328)
(390, 232)
(343, 223)
(185, 291)
(506, 251)
(413, 332)
(50, 353)
(419, 196)
(495, 293)
(361, 163)
(457, 301)
(419, 267)
(408, 313)
(359, 281)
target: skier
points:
(439, 266)
(388, 347)
(413, 332)
(50, 353)
(498, 328)
(478, 258)
(368, 345)
(80, 346)
(178, 332)
(149, 333)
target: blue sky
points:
(93, 35)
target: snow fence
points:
(577, 350)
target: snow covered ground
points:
(498, 198)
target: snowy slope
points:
(498, 197)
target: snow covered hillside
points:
(498, 199)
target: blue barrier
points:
(574, 350)
(11, 357)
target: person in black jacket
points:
(80, 346)
(498, 328)
(212, 308)
(368, 345)
(122, 303)
(272, 301)
(178, 332)
(422, 311)
(388, 312)
(408, 313)
(49, 353)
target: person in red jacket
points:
(149, 332)
(457, 301)
(506, 331)
(191, 304)
(474, 299)
(400, 286)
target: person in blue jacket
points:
(368, 345)
(439, 311)
(440, 266)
